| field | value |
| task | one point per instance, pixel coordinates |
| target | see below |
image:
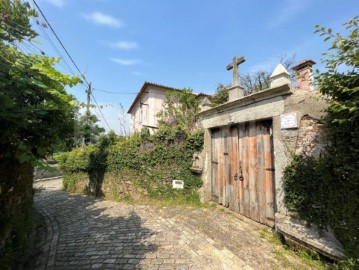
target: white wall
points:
(144, 113)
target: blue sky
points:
(120, 44)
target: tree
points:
(255, 82)
(220, 96)
(123, 122)
(36, 113)
(340, 83)
(35, 109)
(87, 130)
(325, 191)
(251, 82)
(180, 109)
(260, 80)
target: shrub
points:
(152, 161)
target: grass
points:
(306, 258)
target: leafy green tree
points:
(35, 109)
(325, 191)
(220, 96)
(340, 83)
(14, 21)
(36, 113)
(180, 109)
(87, 130)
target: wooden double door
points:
(242, 169)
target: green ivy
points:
(153, 161)
(325, 191)
(306, 189)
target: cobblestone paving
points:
(89, 233)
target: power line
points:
(24, 42)
(67, 53)
(41, 28)
(31, 47)
(115, 93)
(58, 39)
(100, 111)
(46, 36)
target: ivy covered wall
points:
(138, 167)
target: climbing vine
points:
(325, 191)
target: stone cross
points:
(235, 63)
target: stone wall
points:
(306, 136)
(51, 172)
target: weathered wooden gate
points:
(242, 169)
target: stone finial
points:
(205, 104)
(280, 76)
(304, 75)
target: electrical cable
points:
(41, 28)
(69, 56)
(115, 93)
(58, 39)
(100, 111)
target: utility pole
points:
(86, 138)
(88, 91)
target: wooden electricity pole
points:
(88, 91)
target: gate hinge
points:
(270, 169)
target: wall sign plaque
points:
(178, 184)
(288, 120)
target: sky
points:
(120, 44)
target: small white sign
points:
(288, 120)
(178, 184)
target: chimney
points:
(304, 75)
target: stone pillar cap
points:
(280, 76)
(279, 70)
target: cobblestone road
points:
(89, 233)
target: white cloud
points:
(290, 8)
(125, 45)
(104, 19)
(56, 3)
(137, 73)
(125, 62)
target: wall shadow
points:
(97, 169)
(89, 235)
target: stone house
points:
(148, 103)
(249, 141)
